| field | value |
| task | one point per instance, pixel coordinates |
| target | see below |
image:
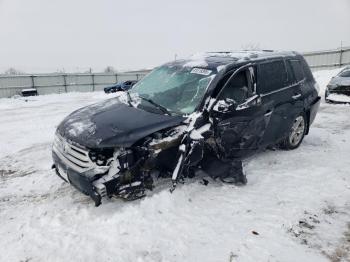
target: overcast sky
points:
(46, 35)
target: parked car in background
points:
(29, 92)
(123, 86)
(338, 89)
(205, 113)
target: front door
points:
(238, 115)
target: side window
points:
(297, 69)
(291, 78)
(239, 88)
(271, 76)
(307, 71)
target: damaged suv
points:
(207, 112)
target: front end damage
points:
(128, 172)
(116, 172)
(124, 147)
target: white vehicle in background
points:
(338, 89)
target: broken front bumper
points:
(81, 181)
(339, 94)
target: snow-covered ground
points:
(295, 207)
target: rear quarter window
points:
(307, 70)
(297, 69)
(271, 76)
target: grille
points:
(73, 156)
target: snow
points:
(196, 63)
(297, 202)
(232, 54)
(196, 134)
(339, 98)
(77, 128)
(28, 89)
(220, 68)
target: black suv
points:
(205, 112)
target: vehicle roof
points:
(221, 59)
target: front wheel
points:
(325, 97)
(296, 133)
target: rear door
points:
(298, 88)
(279, 93)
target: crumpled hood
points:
(112, 123)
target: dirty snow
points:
(295, 207)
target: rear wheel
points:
(296, 133)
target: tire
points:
(325, 98)
(296, 133)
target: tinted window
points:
(307, 70)
(271, 76)
(238, 88)
(297, 69)
(291, 78)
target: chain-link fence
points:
(328, 59)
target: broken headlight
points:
(101, 157)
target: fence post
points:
(93, 82)
(65, 83)
(33, 83)
(341, 56)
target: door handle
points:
(268, 113)
(296, 96)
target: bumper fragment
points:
(82, 182)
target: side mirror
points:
(255, 100)
(225, 105)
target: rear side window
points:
(291, 78)
(307, 70)
(297, 69)
(271, 76)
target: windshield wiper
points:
(160, 107)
